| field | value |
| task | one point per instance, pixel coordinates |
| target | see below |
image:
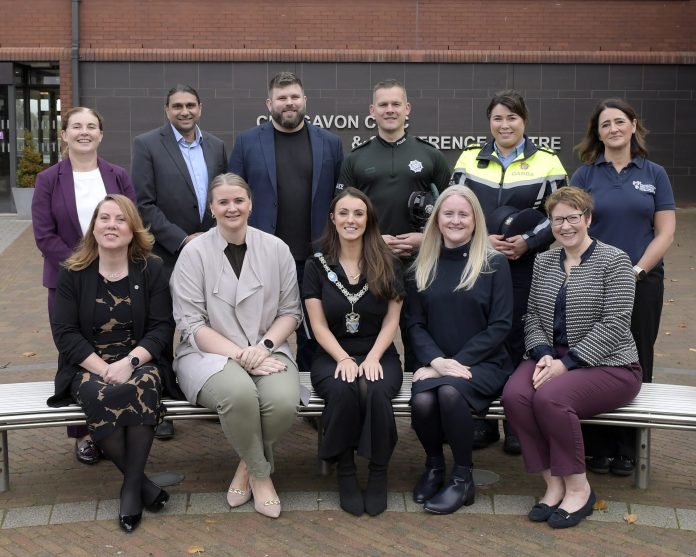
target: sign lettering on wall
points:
(442, 142)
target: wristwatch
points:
(267, 343)
(639, 272)
(133, 360)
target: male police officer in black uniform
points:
(389, 168)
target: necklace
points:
(352, 318)
(351, 277)
(113, 276)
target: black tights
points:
(128, 448)
(440, 415)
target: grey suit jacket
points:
(166, 195)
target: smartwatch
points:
(639, 272)
(133, 360)
(268, 345)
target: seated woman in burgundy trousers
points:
(582, 358)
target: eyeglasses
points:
(572, 219)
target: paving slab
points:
(687, 519)
(512, 504)
(615, 512)
(299, 500)
(482, 505)
(107, 509)
(395, 502)
(73, 512)
(650, 515)
(27, 516)
(208, 503)
(329, 501)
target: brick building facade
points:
(452, 55)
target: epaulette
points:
(471, 146)
(362, 145)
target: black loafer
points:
(165, 430)
(541, 512)
(622, 466)
(598, 464)
(511, 445)
(563, 519)
(87, 452)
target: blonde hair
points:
(139, 248)
(480, 250)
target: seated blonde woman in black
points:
(112, 324)
(459, 312)
(353, 291)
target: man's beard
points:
(289, 124)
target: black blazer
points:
(73, 320)
(166, 196)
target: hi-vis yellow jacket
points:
(526, 183)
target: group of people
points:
(287, 236)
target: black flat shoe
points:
(160, 501)
(563, 519)
(622, 466)
(459, 491)
(511, 445)
(483, 437)
(129, 522)
(541, 512)
(598, 464)
(431, 481)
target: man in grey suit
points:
(171, 169)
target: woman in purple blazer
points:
(65, 197)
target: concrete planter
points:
(22, 200)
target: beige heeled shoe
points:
(270, 508)
(237, 497)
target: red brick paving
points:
(43, 469)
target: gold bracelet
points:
(346, 358)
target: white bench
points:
(23, 406)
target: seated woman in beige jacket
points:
(236, 302)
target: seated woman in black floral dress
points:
(112, 324)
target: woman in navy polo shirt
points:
(634, 211)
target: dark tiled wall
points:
(446, 99)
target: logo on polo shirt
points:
(640, 186)
(415, 166)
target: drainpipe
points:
(75, 54)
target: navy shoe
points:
(541, 512)
(431, 481)
(459, 491)
(563, 519)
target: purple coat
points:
(54, 211)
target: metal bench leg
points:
(642, 473)
(323, 465)
(4, 463)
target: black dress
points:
(357, 415)
(469, 326)
(136, 402)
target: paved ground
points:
(59, 507)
